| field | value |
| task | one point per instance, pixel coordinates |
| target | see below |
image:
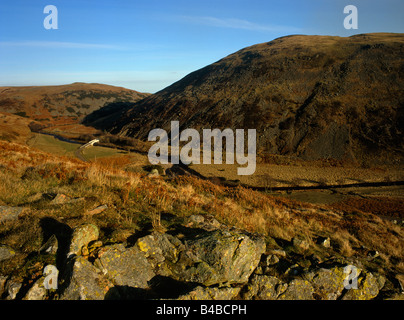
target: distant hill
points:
(64, 103)
(308, 96)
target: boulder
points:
(82, 236)
(262, 287)
(125, 266)
(84, 281)
(37, 291)
(368, 288)
(223, 257)
(298, 289)
(163, 251)
(328, 284)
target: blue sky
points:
(146, 45)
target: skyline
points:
(148, 46)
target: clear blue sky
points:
(146, 45)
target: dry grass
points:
(135, 200)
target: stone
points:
(6, 252)
(326, 243)
(206, 222)
(211, 293)
(372, 254)
(298, 289)
(154, 173)
(328, 284)
(300, 244)
(262, 287)
(37, 291)
(12, 287)
(97, 210)
(271, 260)
(84, 281)
(82, 236)
(10, 213)
(61, 198)
(162, 251)
(277, 252)
(125, 266)
(91, 248)
(223, 257)
(368, 288)
(50, 246)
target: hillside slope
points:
(65, 103)
(314, 97)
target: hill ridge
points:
(308, 96)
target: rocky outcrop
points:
(216, 264)
(223, 257)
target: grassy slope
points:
(53, 145)
(135, 202)
(63, 104)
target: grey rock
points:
(368, 288)
(82, 236)
(12, 288)
(223, 257)
(10, 213)
(327, 283)
(262, 287)
(300, 244)
(6, 252)
(206, 222)
(50, 246)
(61, 198)
(326, 243)
(37, 291)
(271, 260)
(162, 251)
(85, 281)
(277, 252)
(125, 266)
(97, 210)
(298, 289)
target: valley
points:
(327, 191)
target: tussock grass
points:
(136, 201)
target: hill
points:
(314, 97)
(64, 103)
